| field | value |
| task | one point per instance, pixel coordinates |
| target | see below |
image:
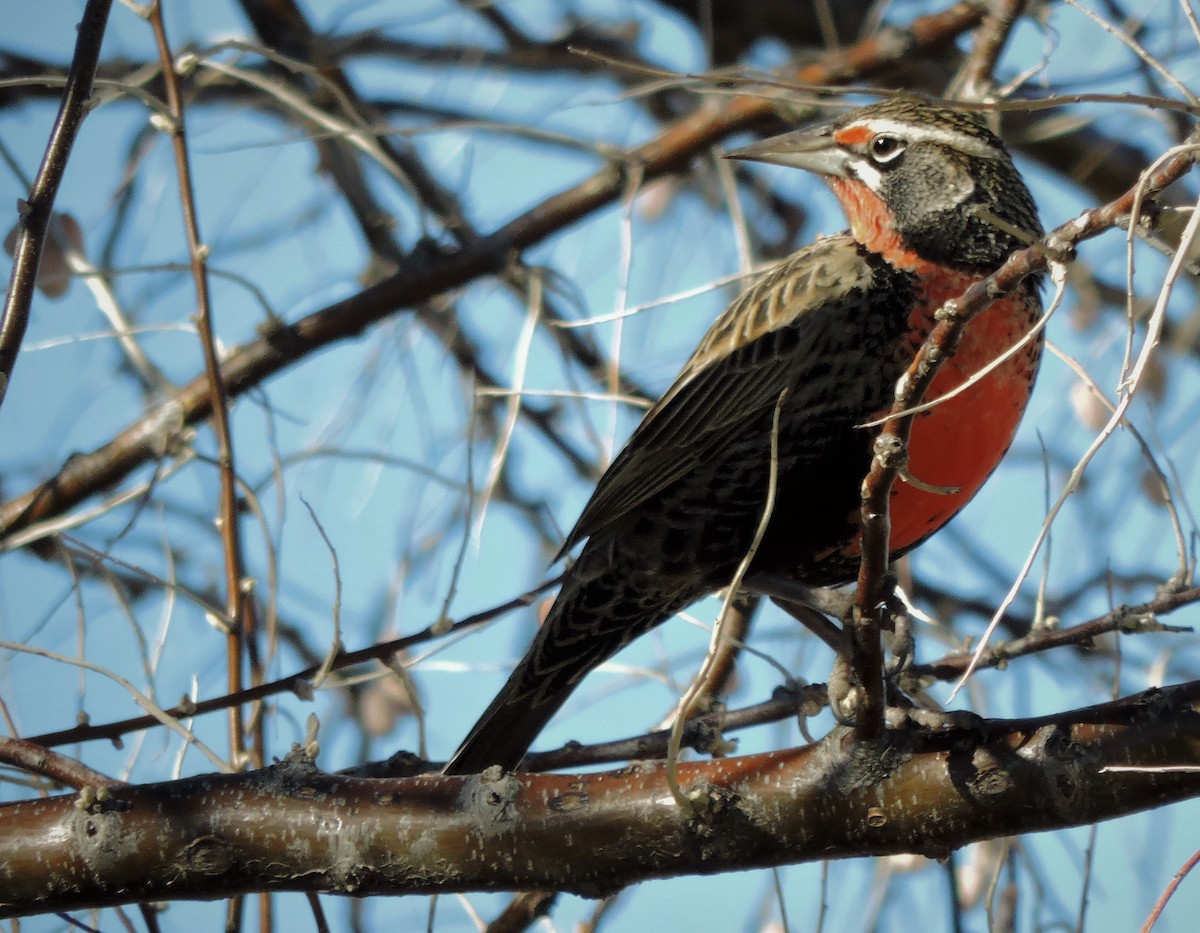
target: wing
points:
(756, 348)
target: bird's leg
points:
(824, 600)
(816, 622)
(908, 705)
(811, 606)
(816, 607)
(899, 624)
(895, 625)
(845, 695)
(899, 641)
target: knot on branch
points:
(708, 802)
(890, 452)
(295, 776)
(101, 835)
(947, 312)
(492, 797)
(1132, 622)
(703, 734)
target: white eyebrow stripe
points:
(918, 132)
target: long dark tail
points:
(596, 614)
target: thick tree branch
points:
(292, 827)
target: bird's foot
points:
(933, 720)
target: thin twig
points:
(976, 77)
(237, 606)
(1125, 619)
(335, 645)
(156, 714)
(37, 210)
(1161, 903)
(300, 682)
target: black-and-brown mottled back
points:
(935, 203)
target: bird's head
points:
(919, 183)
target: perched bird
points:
(935, 204)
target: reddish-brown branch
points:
(292, 827)
(34, 758)
(1169, 892)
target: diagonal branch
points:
(37, 210)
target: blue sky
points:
(374, 434)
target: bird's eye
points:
(885, 148)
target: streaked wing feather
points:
(735, 373)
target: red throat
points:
(873, 224)
(961, 440)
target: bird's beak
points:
(810, 149)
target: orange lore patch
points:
(852, 135)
